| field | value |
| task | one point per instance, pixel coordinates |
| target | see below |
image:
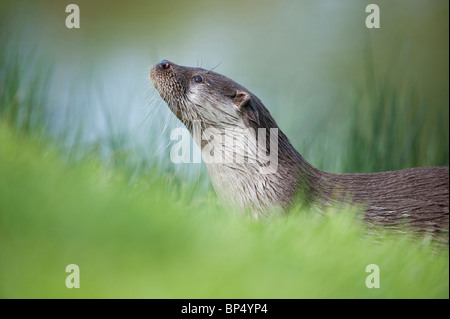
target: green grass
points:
(391, 127)
(136, 230)
(159, 240)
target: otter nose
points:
(164, 64)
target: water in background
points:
(306, 60)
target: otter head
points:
(242, 165)
(211, 99)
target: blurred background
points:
(351, 99)
(85, 171)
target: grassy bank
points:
(84, 182)
(157, 239)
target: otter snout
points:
(163, 65)
(159, 67)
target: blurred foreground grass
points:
(142, 232)
(159, 240)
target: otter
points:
(208, 100)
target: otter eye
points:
(198, 79)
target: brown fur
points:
(418, 196)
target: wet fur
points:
(418, 196)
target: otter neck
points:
(255, 169)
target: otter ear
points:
(241, 98)
(242, 101)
